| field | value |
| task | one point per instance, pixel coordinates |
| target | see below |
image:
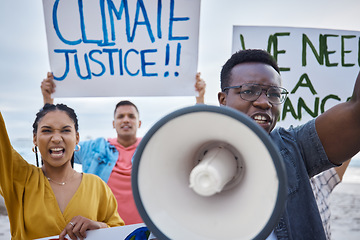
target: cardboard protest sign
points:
(123, 47)
(135, 231)
(318, 66)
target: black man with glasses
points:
(251, 83)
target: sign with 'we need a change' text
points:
(318, 66)
(123, 47)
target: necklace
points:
(61, 183)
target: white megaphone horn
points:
(207, 172)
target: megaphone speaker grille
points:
(166, 156)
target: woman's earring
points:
(78, 148)
(34, 149)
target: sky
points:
(24, 57)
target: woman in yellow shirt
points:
(54, 199)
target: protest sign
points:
(123, 47)
(128, 232)
(318, 66)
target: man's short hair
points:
(126, 103)
(245, 56)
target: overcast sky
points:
(24, 57)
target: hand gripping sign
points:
(128, 232)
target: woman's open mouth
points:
(57, 152)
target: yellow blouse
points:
(31, 204)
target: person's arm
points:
(339, 128)
(200, 86)
(48, 88)
(341, 170)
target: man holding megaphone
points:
(251, 83)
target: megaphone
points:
(206, 172)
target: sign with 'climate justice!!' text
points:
(318, 66)
(123, 47)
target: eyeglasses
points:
(251, 92)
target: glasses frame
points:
(283, 91)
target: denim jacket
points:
(97, 157)
(304, 157)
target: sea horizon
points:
(24, 147)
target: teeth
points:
(56, 149)
(260, 118)
(56, 154)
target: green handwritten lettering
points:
(273, 44)
(318, 55)
(326, 52)
(302, 105)
(343, 51)
(307, 84)
(288, 108)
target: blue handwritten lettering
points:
(67, 64)
(56, 26)
(97, 61)
(146, 22)
(125, 64)
(77, 67)
(144, 63)
(174, 19)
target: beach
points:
(345, 209)
(4, 227)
